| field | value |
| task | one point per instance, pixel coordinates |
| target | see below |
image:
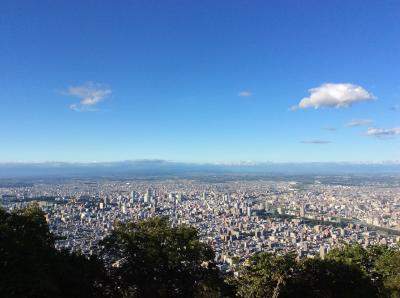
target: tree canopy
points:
(153, 258)
(30, 266)
(347, 271)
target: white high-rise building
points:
(249, 211)
(146, 198)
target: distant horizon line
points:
(216, 163)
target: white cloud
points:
(319, 142)
(383, 132)
(358, 122)
(89, 94)
(335, 95)
(246, 93)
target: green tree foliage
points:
(328, 278)
(153, 259)
(380, 264)
(265, 275)
(356, 255)
(348, 271)
(30, 266)
(271, 275)
(388, 267)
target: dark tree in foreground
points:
(153, 259)
(379, 263)
(271, 275)
(388, 266)
(265, 275)
(328, 279)
(30, 266)
(347, 271)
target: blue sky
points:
(124, 80)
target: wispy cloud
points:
(318, 142)
(383, 132)
(335, 95)
(330, 128)
(395, 108)
(358, 122)
(90, 94)
(246, 93)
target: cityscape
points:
(237, 216)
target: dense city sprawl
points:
(236, 217)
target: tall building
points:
(146, 198)
(249, 211)
(302, 211)
(322, 252)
